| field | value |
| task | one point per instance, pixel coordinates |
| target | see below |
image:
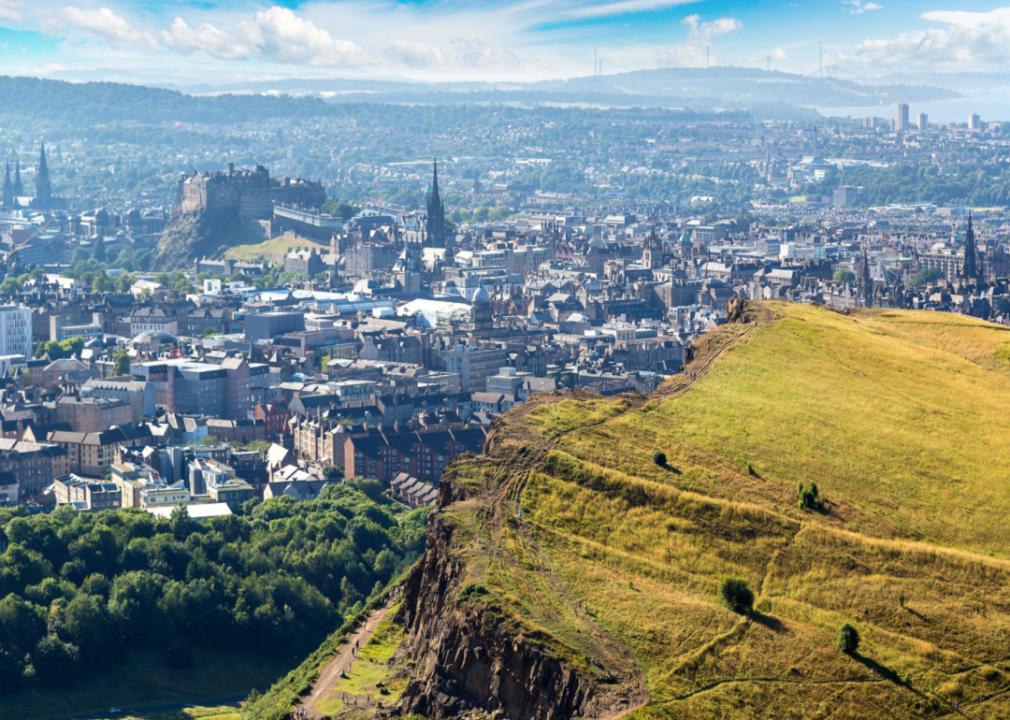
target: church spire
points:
(19, 188)
(864, 280)
(435, 221)
(8, 192)
(970, 270)
(43, 186)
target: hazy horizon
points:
(185, 41)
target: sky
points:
(218, 41)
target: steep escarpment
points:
(575, 569)
(468, 652)
(190, 236)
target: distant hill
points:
(570, 573)
(692, 90)
(697, 88)
(86, 103)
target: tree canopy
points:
(81, 591)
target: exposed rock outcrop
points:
(467, 657)
(193, 235)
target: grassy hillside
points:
(581, 540)
(273, 250)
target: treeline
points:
(81, 591)
(104, 102)
(976, 185)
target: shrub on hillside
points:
(810, 498)
(848, 639)
(659, 457)
(738, 597)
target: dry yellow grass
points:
(900, 418)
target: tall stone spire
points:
(19, 188)
(435, 221)
(8, 193)
(864, 280)
(43, 186)
(970, 271)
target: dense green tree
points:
(848, 639)
(99, 253)
(81, 591)
(121, 363)
(736, 595)
(54, 660)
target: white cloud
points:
(964, 39)
(443, 39)
(700, 31)
(458, 52)
(10, 9)
(205, 38)
(622, 7)
(281, 34)
(105, 23)
(695, 51)
(415, 54)
(860, 7)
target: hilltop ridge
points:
(569, 574)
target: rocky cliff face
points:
(466, 657)
(190, 236)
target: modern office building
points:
(15, 330)
(901, 121)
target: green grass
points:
(219, 712)
(371, 679)
(273, 250)
(278, 701)
(899, 417)
(144, 681)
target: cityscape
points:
(438, 384)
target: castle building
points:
(250, 194)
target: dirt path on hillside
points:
(341, 662)
(509, 497)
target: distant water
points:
(994, 107)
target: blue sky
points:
(201, 40)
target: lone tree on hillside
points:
(659, 457)
(737, 596)
(809, 498)
(848, 639)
